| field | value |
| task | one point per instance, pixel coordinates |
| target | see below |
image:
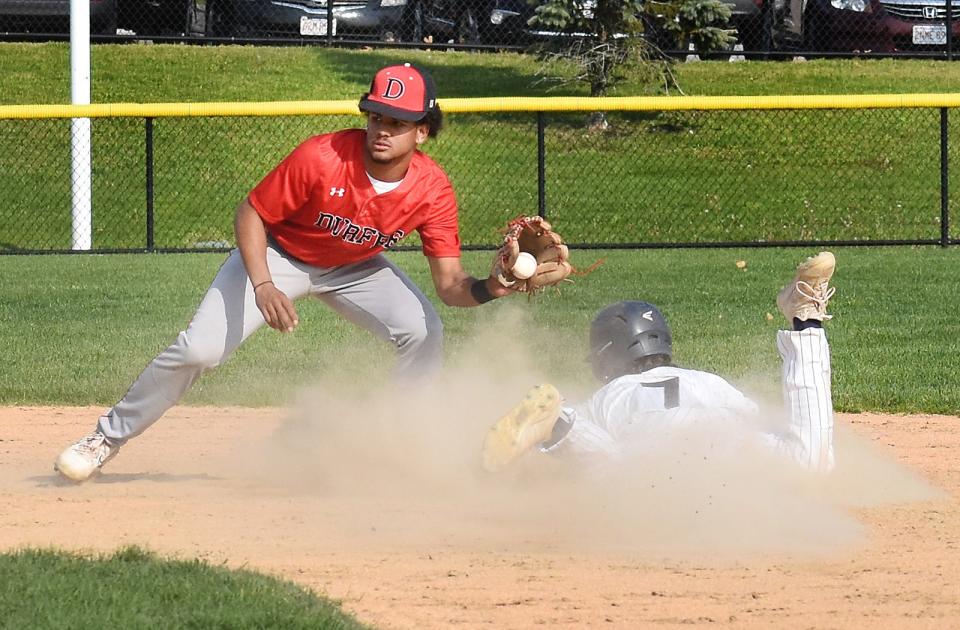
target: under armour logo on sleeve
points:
(338, 192)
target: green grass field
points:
(40, 73)
(132, 588)
(78, 329)
(796, 175)
(657, 177)
(791, 177)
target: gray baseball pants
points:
(374, 294)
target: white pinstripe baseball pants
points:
(807, 398)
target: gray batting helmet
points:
(623, 334)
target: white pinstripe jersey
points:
(634, 409)
(662, 398)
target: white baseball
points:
(525, 266)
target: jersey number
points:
(671, 391)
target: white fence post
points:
(80, 149)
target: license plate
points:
(930, 34)
(315, 27)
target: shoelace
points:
(91, 443)
(820, 294)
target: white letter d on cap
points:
(394, 89)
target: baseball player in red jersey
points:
(318, 225)
(645, 397)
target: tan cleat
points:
(78, 462)
(526, 425)
(807, 295)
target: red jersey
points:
(319, 204)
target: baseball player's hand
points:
(276, 307)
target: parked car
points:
(53, 16)
(869, 25)
(389, 20)
(459, 21)
(508, 22)
(753, 19)
(157, 17)
(756, 21)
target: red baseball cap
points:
(404, 92)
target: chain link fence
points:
(651, 179)
(763, 27)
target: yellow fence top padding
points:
(501, 104)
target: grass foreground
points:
(132, 588)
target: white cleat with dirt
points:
(807, 295)
(78, 462)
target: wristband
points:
(480, 292)
(257, 286)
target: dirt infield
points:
(406, 544)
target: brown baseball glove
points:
(536, 237)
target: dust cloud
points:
(401, 462)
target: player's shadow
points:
(58, 481)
